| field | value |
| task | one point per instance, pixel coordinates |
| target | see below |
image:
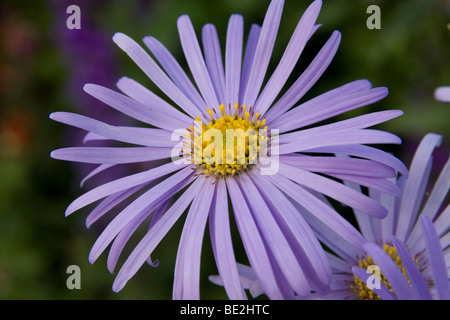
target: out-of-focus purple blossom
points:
(442, 94)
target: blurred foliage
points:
(409, 54)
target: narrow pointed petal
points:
(138, 92)
(307, 79)
(106, 155)
(190, 247)
(414, 276)
(122, 134)
(94, 172)
(133, 108)
(151, 137)
(233, 58)
(162, 191)
(334, 165)
(289, 59)
(299, 234)
(125, 234)
(414, 185)
(250, 49)
(154, 72)
(175, 71)
(435, 256)
(121, 184)
(275, 239)
(439, 192)
(334, 190)
(263, 51)
(223, 246)
(306, 141)
(360, 122)
(365, 152)
(110, 202)
(194, 57)
(152, 238)
(343, 237)
(214, 61)
(319, 108)
(253, 244)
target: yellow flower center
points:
(360, 288)
(226, 144)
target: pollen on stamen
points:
(235, 157)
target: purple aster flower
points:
(278, 205)
(442, 94)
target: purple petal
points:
(190, 247)
(123, 134)
(249, 56)
(195, 60)
(378, 184)
(175, 71)
(233, 58)
(335, 102)
(289, 58)
(337, 264)
(299, 234)
(110, 202)
(360, 122)
(366, 152)
(334, 165)
(439, 192)
(154, 72)
(214, 61)
(164, 189)
(223, 245)
(149, 242)
(106, 155)
(334, 190)
(253, 243)
(415, 185)
(94, 172)
(125, 234)
(263, 51)
(420, 287)
(133, 108)
(121, 184)
(307, 79)
(138, 92)
(436, 258)
(275, 238)
(307, 141)
(324, 220)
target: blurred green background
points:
(44, 66)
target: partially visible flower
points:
(277, 208)
(410, 256)
(442, 94)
